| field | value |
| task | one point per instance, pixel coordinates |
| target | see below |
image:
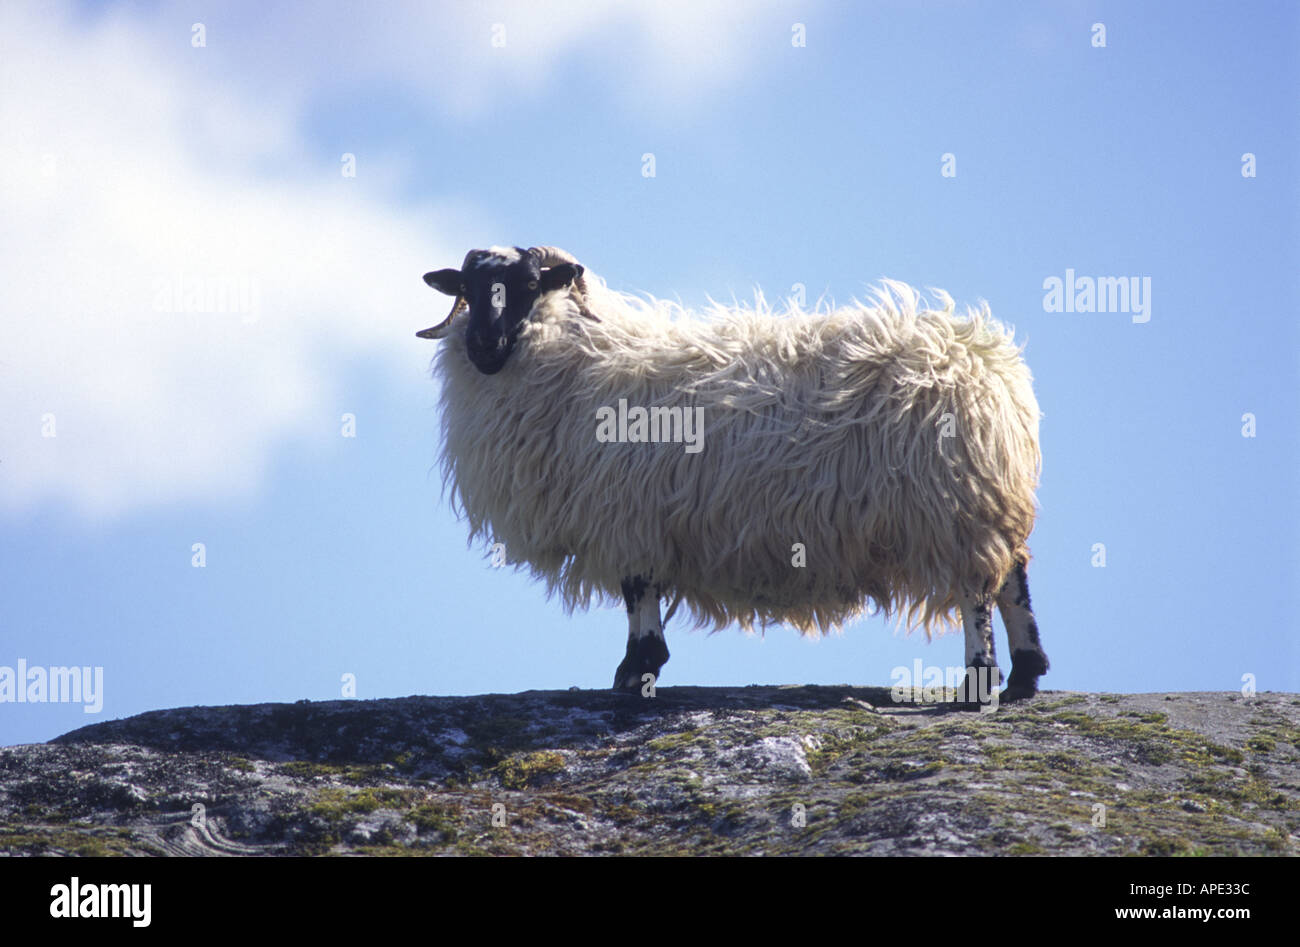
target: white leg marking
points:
(648, 615)
(977, 622)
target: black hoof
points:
(1014, 693)
(646, 656)
(1027, 665)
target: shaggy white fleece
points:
(898, 444)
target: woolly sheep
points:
(891, 448)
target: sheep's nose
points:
(484, 342)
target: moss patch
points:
(517, 772)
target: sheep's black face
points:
(500, 287)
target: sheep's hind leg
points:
(647, 650)
(982, 678)
(1028, 659)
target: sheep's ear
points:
(561, 274)
(444, 281)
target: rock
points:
(750, 770)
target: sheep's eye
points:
(532, 284)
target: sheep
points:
(875, 455)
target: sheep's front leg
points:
(1028, 660)
(647, 651)
(983, 677)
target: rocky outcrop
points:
(754, 770)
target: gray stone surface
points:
(752, 770)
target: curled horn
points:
(438, 331)
(549, 256)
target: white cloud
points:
(660, 55)
(137, 167)
(125, 179)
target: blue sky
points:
(139, 163)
